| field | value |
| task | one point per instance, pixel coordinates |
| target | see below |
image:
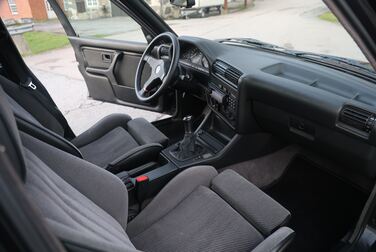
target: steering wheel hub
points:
(157, 69)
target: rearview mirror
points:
(183, 3)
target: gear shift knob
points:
(187, 120)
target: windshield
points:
(293, 24)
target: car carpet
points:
(324, 208)
(266, 170)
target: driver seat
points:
(116, 142)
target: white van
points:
(203, 8)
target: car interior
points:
(261, 152)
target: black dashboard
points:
(322, 107)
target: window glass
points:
(102, 19)
(65, 5)
(13, 7)
(92, 3)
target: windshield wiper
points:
(334, 60)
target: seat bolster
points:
(277, 241)
(263, 212)
(97, 184)
(102, 127)
(170, 196)
(47, 136)
(135, 157)
(144, 132)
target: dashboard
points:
(302, 101)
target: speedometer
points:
(195, 52)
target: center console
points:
(222, 98)
(204, 145)
(210, 138)
(199, 146)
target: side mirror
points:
(183, 3)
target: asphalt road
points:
(289, 23)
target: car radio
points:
(224, 101)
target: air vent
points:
(358, 118)
(227, 72)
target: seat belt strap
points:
(52, 108)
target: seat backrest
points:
(9, 136)
(71, 194)
(27, 106)
(27, 122)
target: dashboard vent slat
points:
(358, 118)
(227, 72)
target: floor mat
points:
(323, 207)
(266, 170)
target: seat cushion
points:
(108, 147)
(202, 222)
(263, 212)
(198, 211)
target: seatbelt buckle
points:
(141, 188)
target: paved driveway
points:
(290, 23)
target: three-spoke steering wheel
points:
(163, 69)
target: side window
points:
(101, 19)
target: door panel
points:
(109, 69)
(107, 59)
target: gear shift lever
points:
(187, 120)
(187, 147)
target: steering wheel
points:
(163, 69)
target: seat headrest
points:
(9, 136)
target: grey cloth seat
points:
(86, 206)
(116, 142)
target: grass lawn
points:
(328, 16)
(44, 41)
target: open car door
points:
(108, 45)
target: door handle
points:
(108, 72)
(107, 57)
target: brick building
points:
(25, 10)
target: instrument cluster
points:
(193, 57)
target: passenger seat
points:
(86, 207)
(117, 142)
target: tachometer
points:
(205, 62)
